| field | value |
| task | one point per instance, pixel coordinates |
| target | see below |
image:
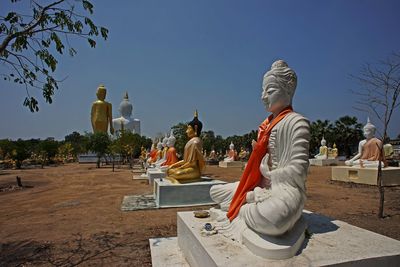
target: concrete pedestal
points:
(324, 162)
(155, 173)
(231, 164)
(332, 243)
(169, 195)
(390, 175)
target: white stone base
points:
(332, 243)
(231, 164)
(390, 175)
(324, 162)
(155, 173)
(166, 253)
(169, 195)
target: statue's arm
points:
(177, 164)
(360, 147)
(92, 116)
(109, 115)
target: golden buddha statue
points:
(101, 114)
(333, 153)
(189, 169)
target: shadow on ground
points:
(101, 249)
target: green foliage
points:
(6, 148)
(78, 142)
(30, 41)
(20, 152)
(98, 143)
(179, 131)
(48, 148)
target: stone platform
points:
(155, 173)
(231, 164)
(323, 162)
(169, 195)
(332, 243)
(390, 175)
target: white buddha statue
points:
(126, 122)
(270, 197)
(164, 149)
(231, 155)
(323, 150)
(369, 149)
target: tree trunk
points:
(380, 184)
(98, 162)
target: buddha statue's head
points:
(125, 108)
(334, 145)
(279, 85)
(101, 92)
(231, 146)
(194, 127)
(323, 141)
(369, 129)
(171, 139)
(159, 145)
(165, 140)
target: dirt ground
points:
(70, 215)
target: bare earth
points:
(70, 215)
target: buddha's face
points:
(190, 132)
(323, 142)
(274, 98)
(369, 132)
(101, 94)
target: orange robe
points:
(371, 150)
(153, 155)
(171, 157)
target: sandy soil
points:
(70, 215)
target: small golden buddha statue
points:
(333, 153)
(189, 169)
(101, 114)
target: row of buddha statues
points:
(163, 155)
(101, 115)
(368, 153)
(271, 194)
(229, 156)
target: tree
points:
(48, 148)
(179, 131)
(379, 95)
(98, 143)
(28, 42)
(347, 133)
(20, 152)
(6, 148)
(78, 142)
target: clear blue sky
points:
(175, 56)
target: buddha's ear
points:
(195, 129)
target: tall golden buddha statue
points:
(101, 114)
(189, 169)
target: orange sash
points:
(252, 175)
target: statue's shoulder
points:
(295, 118)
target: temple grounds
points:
(70, 214)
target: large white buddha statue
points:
(270, 197)
(126, 122)
(323, 150)
(369, 149)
